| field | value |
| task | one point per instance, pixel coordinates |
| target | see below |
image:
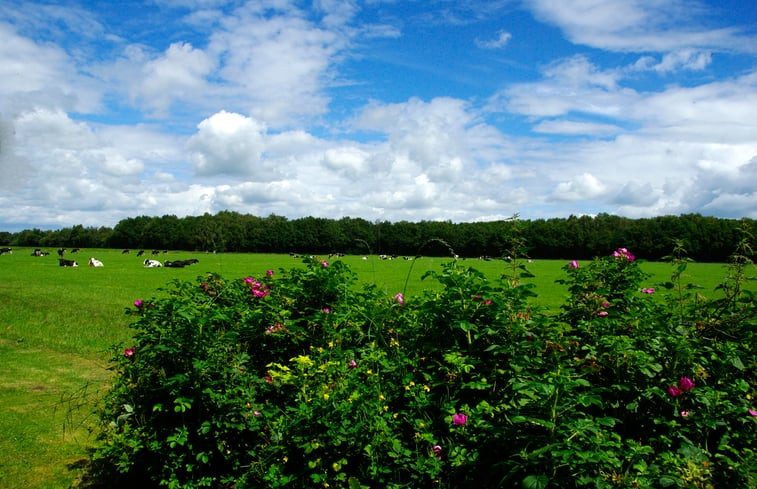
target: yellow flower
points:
(381, 397)
(325, 397)
(426, 388)
(285, 459)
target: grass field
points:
(57, 324)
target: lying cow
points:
(95, 263)
(152, 263)
(67, 263)
(6, 250)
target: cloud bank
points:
(378, 110)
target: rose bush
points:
(300, 379)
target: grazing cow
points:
(155, 252)
(67, 263)
(37, 252)
(75, 250)
(95, 263)
(181, 263)
(140, 252)
(6, 250)
(61, 251)
(125, 252)
(152, 263)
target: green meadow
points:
(58, 324)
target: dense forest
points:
(704, 238)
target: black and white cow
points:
(93, 262)
(181, 263)
(67, 263)
(152, 263)
(6, 250)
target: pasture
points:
(58, 323)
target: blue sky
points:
(459, 110)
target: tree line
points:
(580, 237)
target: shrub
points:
(299, 379)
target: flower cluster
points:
(685, 384)
(257, 288)
(275, 328)
(623, 253)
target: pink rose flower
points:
(674, 391)
(685, 384)
(573, 264)
(460, 419)
(400, 298)
(437, 451)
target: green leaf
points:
(667, 481)
(535, 482)
(736, 362)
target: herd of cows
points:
(93, 262)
